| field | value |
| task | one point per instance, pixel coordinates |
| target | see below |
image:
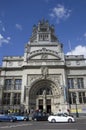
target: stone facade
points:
(44, 78)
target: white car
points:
(60, 118)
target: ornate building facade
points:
(44, 77)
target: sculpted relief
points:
(44, 71)
(34, 78)
(44, 75)
(55, 78)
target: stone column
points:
(11, 100)
(12, 94)
(77, 98)
(44, 100)
(27, 97)
(37, 104)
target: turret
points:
(43, 32)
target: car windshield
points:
(60, 114)
(39, 114)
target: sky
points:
(17, 18)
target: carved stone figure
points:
(44, 71)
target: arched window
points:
(48, 91)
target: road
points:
(33, 125)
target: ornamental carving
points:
(55, 78)
(45, 53)
(44, 71)
(34, 78)
(44, 56)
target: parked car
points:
(68, 114)
(5, 117)
(40, 116)
(61, 117)
(20, 117)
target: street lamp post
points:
(77, 114)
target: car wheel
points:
(25, 119)
(11, 120)
(53, 120)
(69, 120)
(35, 119)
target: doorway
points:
(40, 104)
(48, 105)
(48, 108)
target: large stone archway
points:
(45, 95)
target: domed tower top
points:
(43, 32)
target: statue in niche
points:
(44, 92)
(44, 71)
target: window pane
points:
(70, 83)
(17, 98)
(82, 97)
(18, 83)
(80, 83)
(8, 84)
(72, 99)
(6, 98)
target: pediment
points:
(43, 54)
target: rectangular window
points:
(6, 98)
(72, 99)
(48, 102)
(17, 98)
(80, 83)
(18, 84)
(40, 101)
(8, 84)
(70, 83)
(82, 97)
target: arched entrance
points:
(42, 94)
(43, 98)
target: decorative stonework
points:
(10, 63)
(44, 53)
(20, 63)
(57, 93)
(34, 78)
(44, 56)
(55, 78)
(44, 71)
(43, 32)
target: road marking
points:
(13, 126)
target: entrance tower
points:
(44, 70)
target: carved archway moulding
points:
(54, 78)
(43, 51)
(37, 84)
